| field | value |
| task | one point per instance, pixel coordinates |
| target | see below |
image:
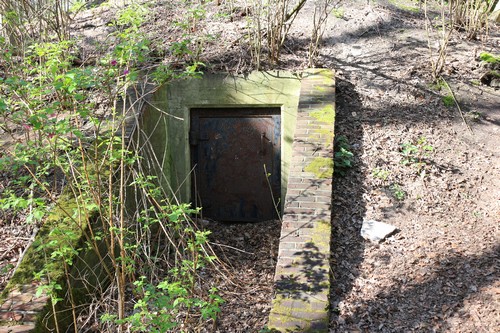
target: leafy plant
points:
(381, 173)
(415, 151)
(77, 166)
(158, 306)
(162, 74)
(194, 15)
(397, 192)
(489, 58)
(181, 49)
(338, 12)
(343, 156)
(5, 269)
(438, 84)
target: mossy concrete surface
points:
(302, 280)
(21, 302)
(166, 123)
(57, 256)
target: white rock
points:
(376, 231)
(356, 50)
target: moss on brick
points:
(321, 88)
(327, 134)
(45, 243)
(318, 72)
(325, 115)
(298, 304)
(321, 234)
(279, 312)
(322, 167)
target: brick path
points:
(20, 309)
(302, 274)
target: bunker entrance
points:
(236, 162)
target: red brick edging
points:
(302, 279)
(20, 309)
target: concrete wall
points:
(166, 122)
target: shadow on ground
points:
(348, 208)
(438, 295)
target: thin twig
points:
(31, 240)
(232, 248)
(456, 103)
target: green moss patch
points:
(321, 234)
(495, 74)
(489, 58)
(401, 5)
(321, 88)
(448, 100)
(322, 167)
(58, 231)
(325, 115)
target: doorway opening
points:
(236, 162)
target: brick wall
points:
(302, 279)
(21, 306)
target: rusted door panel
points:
(231, 151)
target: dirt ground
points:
(249, 252)
(440, 271)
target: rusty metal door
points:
(231, 152)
